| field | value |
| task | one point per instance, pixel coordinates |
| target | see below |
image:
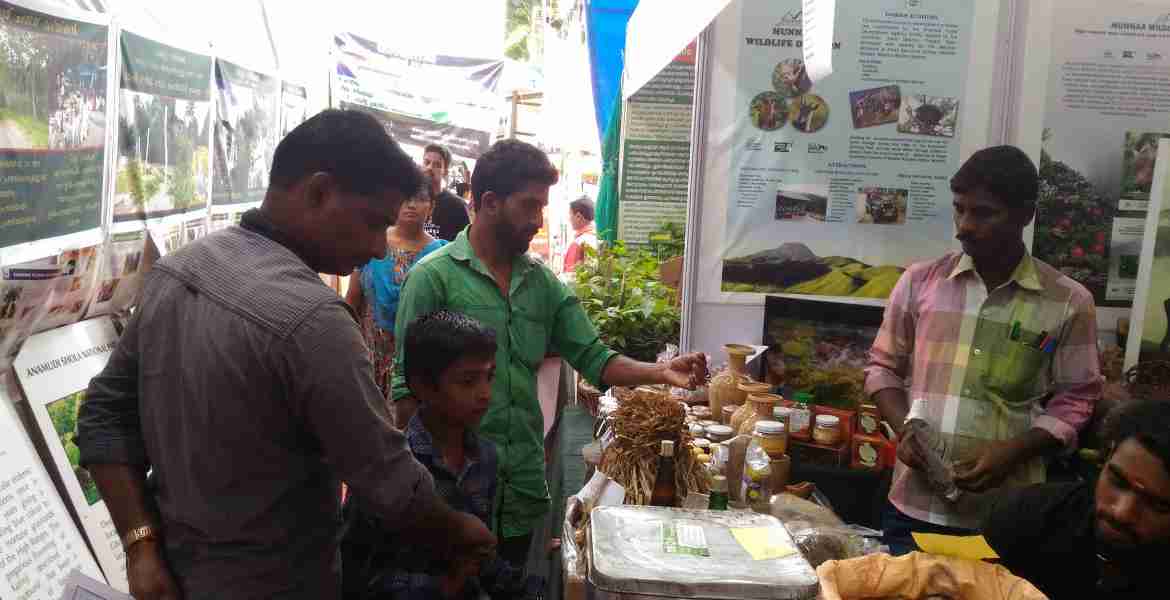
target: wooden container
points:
(869, 452)
(803, 452)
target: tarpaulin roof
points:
(607, 21)
(658, 31)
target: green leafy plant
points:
(667, 241)
(620, 290)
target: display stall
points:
(808, 197)
(128, 130)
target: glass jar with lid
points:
(801, 416)
(772, 436)
(827, 430)
(728, 412)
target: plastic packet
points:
(792, 510)
(824, 543)
(757, 476)
(929, 445)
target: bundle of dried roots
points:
(640, 424)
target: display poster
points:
(43, 294)
(122, 267)
(1108, 102)
(52, 125)
(39, 544)
(1149, 331)
(294, 107)
(54, 369)
(164, 126)
(817, 17)
(246, 106)
(436, 99)
(168, 236)
(656, 151)
(837, 185)
(80, 587)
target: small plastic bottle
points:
(718, 499)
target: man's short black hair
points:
(1147, 421)
(436, 340)
(445, 153)
(1002, 171)
(508, 166)
(350, 145)
(582, 206)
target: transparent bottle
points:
(929, 444)
(718, 499)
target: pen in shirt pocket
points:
(1014, 334)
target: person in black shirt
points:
(450, 214)
(1076, 540)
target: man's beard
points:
(511, 238)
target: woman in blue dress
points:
(374, 288)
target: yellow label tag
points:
(761, 543)
(971, 547)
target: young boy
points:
(449, 362)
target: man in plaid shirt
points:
(995, 349)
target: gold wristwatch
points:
(146, 532)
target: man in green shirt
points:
(486, 274)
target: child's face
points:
(465, 390)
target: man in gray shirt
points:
(242, 385)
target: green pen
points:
(1015, 335)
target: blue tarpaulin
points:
(607, 20)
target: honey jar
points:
(827, 431)
(772, 436)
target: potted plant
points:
(633, 311)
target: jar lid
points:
(828, 420)
(696, 429)
(782, 411)
(769, 427)
(719, 430)
(708, 423)
(702, 443)
(753, 387)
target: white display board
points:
(712, 316)
(39, 544)
(1149, 330)
(54, 369)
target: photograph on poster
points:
(819, 347)
(107, 289)
(883, 206)
(769, 111)
(63, 413)
(245, 132)
(928, 115)
(1072, 224)
(876, 106)
(163, 162)
(808, 202)
(54, 89)
(808, 113)
(1137, 170)
(790, 78)
(294, 107)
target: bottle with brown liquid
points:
(665, 493)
